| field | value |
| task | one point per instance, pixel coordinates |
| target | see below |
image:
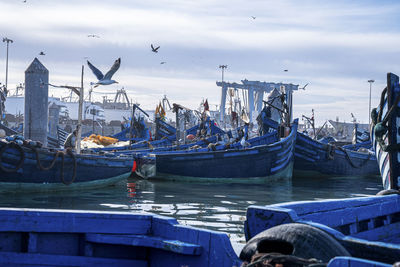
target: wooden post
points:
(79, 133)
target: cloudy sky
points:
(334, 46)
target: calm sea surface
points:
(220, 207)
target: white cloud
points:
(334, 46)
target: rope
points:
(277, 259)
(350, 160)
(69, 152)
(381, 104)
(21, 160)
(53, 162)
(330, 151)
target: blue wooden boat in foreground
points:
(31, 237)
(266, 158)
(34, 237)
(366, 228)
(25, 167)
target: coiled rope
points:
(53, 162)
(346, 152)
(20, 161)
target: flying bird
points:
(304, 87)
(285, 70)
(163, 62)
(253, 17)
(105, 79)
(42, 53)
(93, 35)
(155, 50)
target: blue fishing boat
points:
(27, 166)
(262, 158)
(385, 135)
(317, 158)
(321, 157)
(168, 138)
(363, 227)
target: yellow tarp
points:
(101, 140)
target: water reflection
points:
(218, 207)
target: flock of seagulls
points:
(105, 79)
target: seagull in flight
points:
(42, 53)
(105, 79)
(93, 35)
(253, 17)
(304, 87)
(155, 50)
(285, 70)
(163, 62)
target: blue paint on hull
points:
(89, 168)
(32, 237)
(312, 156)
(260, 161)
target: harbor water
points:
(215, 206)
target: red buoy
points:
(134, 166)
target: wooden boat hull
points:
(259, 163)
(367, 227)
(72, 172)
(32, 237)
(314, 158)
(388, 159)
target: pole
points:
(93, 118)
(223, 67)
(223, 96)
(79, 134)
(369, 106)
(5, 39)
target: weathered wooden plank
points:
(73, 221)
(355, 262)
(386, 232)
(175, 246)
(29, 259)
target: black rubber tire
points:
(295, 239)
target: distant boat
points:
(30, 168)
(315, 158)
(267, 158)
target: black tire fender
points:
(301, 240)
